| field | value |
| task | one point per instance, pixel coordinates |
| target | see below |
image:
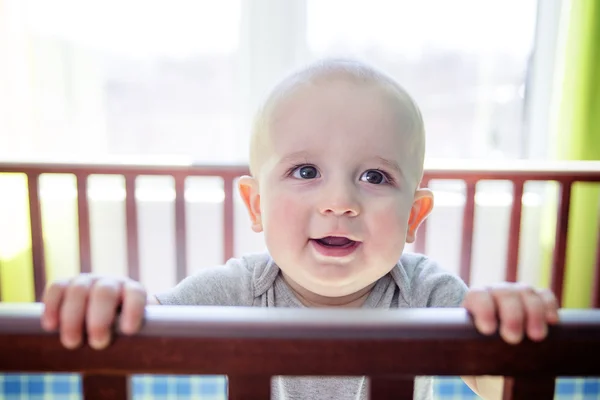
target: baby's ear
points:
(421, 208)
(248, 187)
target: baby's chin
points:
(334, 291)
(334, 287)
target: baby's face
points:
(336, 187)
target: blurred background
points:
(114, 79)
(178, 82)
(156, 82)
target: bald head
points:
(333, 70)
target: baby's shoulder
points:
(232, 284)
(417, 265)
(428, 284)
(246, 268)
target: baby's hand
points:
(91, 302)
(520, 310)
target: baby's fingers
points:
(537, 328)
(134, 305)
(480, 304)
(550, 305)
(52, 300)
(512, 315)
(105, 297)
(73, 310)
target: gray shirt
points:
(255, 281)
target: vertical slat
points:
(249, 387)
(560, 247)
(228, 239)
(467, 233)
(508, 388)
(528, 388)
(514, 233)
(37, 237)
(180, 227)
(105, 387)
(596, 288)
(133, 257)
(391, 388)
(421, 239)
(83, 216)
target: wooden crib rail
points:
(250, 345)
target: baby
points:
(336, 160)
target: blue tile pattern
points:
(173, 387)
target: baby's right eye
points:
(305, 172)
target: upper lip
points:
(344, 235)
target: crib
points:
(252, 346)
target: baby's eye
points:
(375, 177)
(306, 172)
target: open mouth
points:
(335, 246)
(335, 242)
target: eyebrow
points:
(292, 157)
(391, 164)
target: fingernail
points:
(542, 332)
(486, 329)
(99, 344)
(46, 323)
(129, 327)
(512, 337)
(70, 342)
(125, 327)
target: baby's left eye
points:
(375, 177)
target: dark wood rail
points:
(470, 172)
(250, 345)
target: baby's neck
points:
(309, 299)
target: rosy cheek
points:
(388, 222)
(284, 210)
(286, 207)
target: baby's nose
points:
(340, 211)
(339, 204)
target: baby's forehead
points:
(371, 107)
(304, 87)
(353, 111)
(341, 96)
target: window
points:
(179, 81)
(465, 61)
(111, 79)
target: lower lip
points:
(329, 251)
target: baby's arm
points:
(91, 302)
(486, 387)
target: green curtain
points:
(16, 278)
(16, 267)
(60, 230)
(577, 137)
